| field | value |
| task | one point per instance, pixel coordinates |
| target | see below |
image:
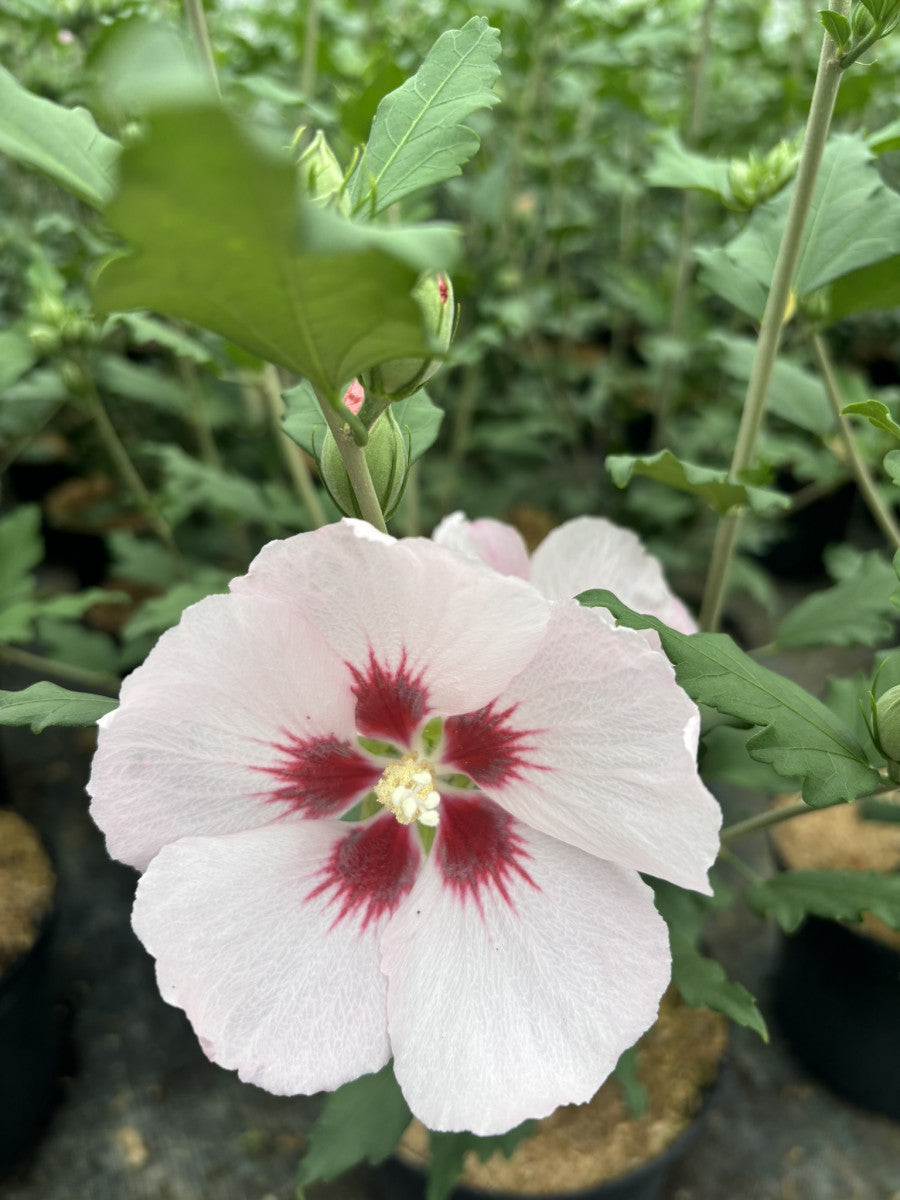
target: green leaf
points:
(140, 559)
(44, 704)
(674, 166)
(21, 549)
(797, 734)
(448, 1152)
(160, 613)
(422, 419)
(64, 143)
(886, 138)
(726, 759)
(855, 612)
(16, 357)
(701, 981)
(892, 465)
(146, 330)
(633, 1091)
(143, 384)
(854, 222)
(417, 137)
(303, 420)
(838, 895)
(837, 27)
(712, 486)
(874, 287)
(360, 1122)
(795, 395)
(878, 414)
(221, 237)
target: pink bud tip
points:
(354, 397)
(443, 290)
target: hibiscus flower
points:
(390, 802)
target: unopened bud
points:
(887, 725)
(322, 175)
(387, 458)
(399, 378)
(756, 179)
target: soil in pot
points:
(580, 1148)
(28, 1036)
(836, 987)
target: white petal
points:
(272, 986)
(462, 628)
(500, 545)
(197, 721)
(504, 1012)
(612, 767)
(591, 552)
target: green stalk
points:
(104, 680)
(354, 460)
(196, 19)
(821, 109)
(310, 51)
(880, 512)
(773, 816)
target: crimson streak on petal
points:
(486, 745)
(320, 777)
(369, 870)
(389, 703)
(477, 848)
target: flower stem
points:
(104, 680)
(879, 510)
(196, 19)
(821, 108)
(354, 460)
(310, 51)
(772, 816)
(294, 458)
(738, 864)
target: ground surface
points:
(144, 1115)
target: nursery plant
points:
(425, 821)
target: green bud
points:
(45, 339)
(757, 178)
(887, 728)
(861, 21)
(399, 378)
(322, 176)
(387, 457)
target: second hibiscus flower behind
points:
(391, 799)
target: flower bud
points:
(757, 178)
(887, 724)
(322, 175)
(399, 378)
(387, 457)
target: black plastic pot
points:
(836, 997)
(29, 1051)
(395, 1180)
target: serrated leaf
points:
(837, 239)
(360, 1122)
(45, 704)
(726, 759)
(714, 487)
(855, 612)
(448, 1152)
(674, 166)
(417, 137)
(798, 735)
(837, 27)
(63, 143)
(837, 895)
(159, 613)
(222, 237)
(701, 981)
(877, 414)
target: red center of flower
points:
(487, 746)
(369, 870)
(390, 703)
(320, 777)
(478, 848)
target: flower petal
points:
(504, 1009)
(500, 545)
(410, 607)
(276, 968)
(202, 738)
(606, 755)
(591, 552)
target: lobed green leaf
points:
(714, 487)
(857, 611)
(837, 895)
(44, 704)
(448, 1152)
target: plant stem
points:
(52, 666)
(310, 51)
(821, 108)
(773, 816)
(294, 458)
(685, 258)
(739, 865)
(864, 481)
(126, 468)
(354, 460)
(196, 19)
